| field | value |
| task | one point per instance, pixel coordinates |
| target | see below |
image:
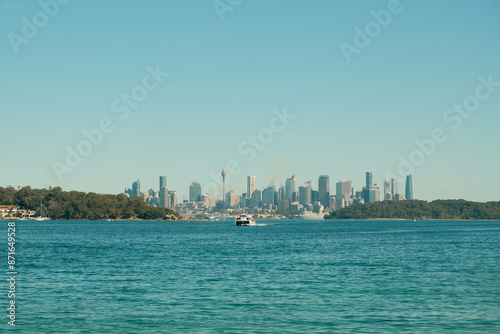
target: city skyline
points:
(390, 186)
(305, 193)
(270, 88)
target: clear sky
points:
(361, 92)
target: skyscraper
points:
(283, 205)
(281, 194)
(194, 192)
(369, 180)
(211, 201)
(324, 190)
(333, 199)
(409, 188)
(163, 181)
(387, 191)
(268, 195)
(251, 185)
(314, 196)
(231, 199)
(339, 203)
(371, 195)
(256, 199)
(164, 198)
(290, 187)
(395, 187)
(305, 193)
(205, 199)
(377, 192)
(136, 188)
(344, 191)
(173, 199)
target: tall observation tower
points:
(223, 186)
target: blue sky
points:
(227, 76)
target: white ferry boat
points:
(244, 220)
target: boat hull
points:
(244, 223)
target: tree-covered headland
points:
(416, 209)
(74, 205)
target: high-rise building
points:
(377, 192)
(244, 201)
(324, 190)
(205, 199)
(283, 205)
(164, 198)
(163, 181)
(370, 195)
(173, 199)
(398, 197)
(339, 203)
(251, 185)
(256, 199)
(295, 206)
(194, 192)
(333, 200)
(387, 190)
(344, 188)
(268, 196)
(314, 196)
(344, 191)
(305, 193)
(359, 194)
(317, 207)
(231, 199)
(290, 187)
(369, 180)
(281, 194)
(211, 201)
(409, 188)
(136, 189)
(395, 186)
(151, 198)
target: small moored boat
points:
(42, 217)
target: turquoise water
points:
(284, 277)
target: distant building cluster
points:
(371, 192)
(6, 210)
(284, 199)
(11, 211)
(162, 198)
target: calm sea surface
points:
(283, 277)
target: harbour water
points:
(280, 277)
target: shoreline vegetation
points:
(421, 210)
(75, 205)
